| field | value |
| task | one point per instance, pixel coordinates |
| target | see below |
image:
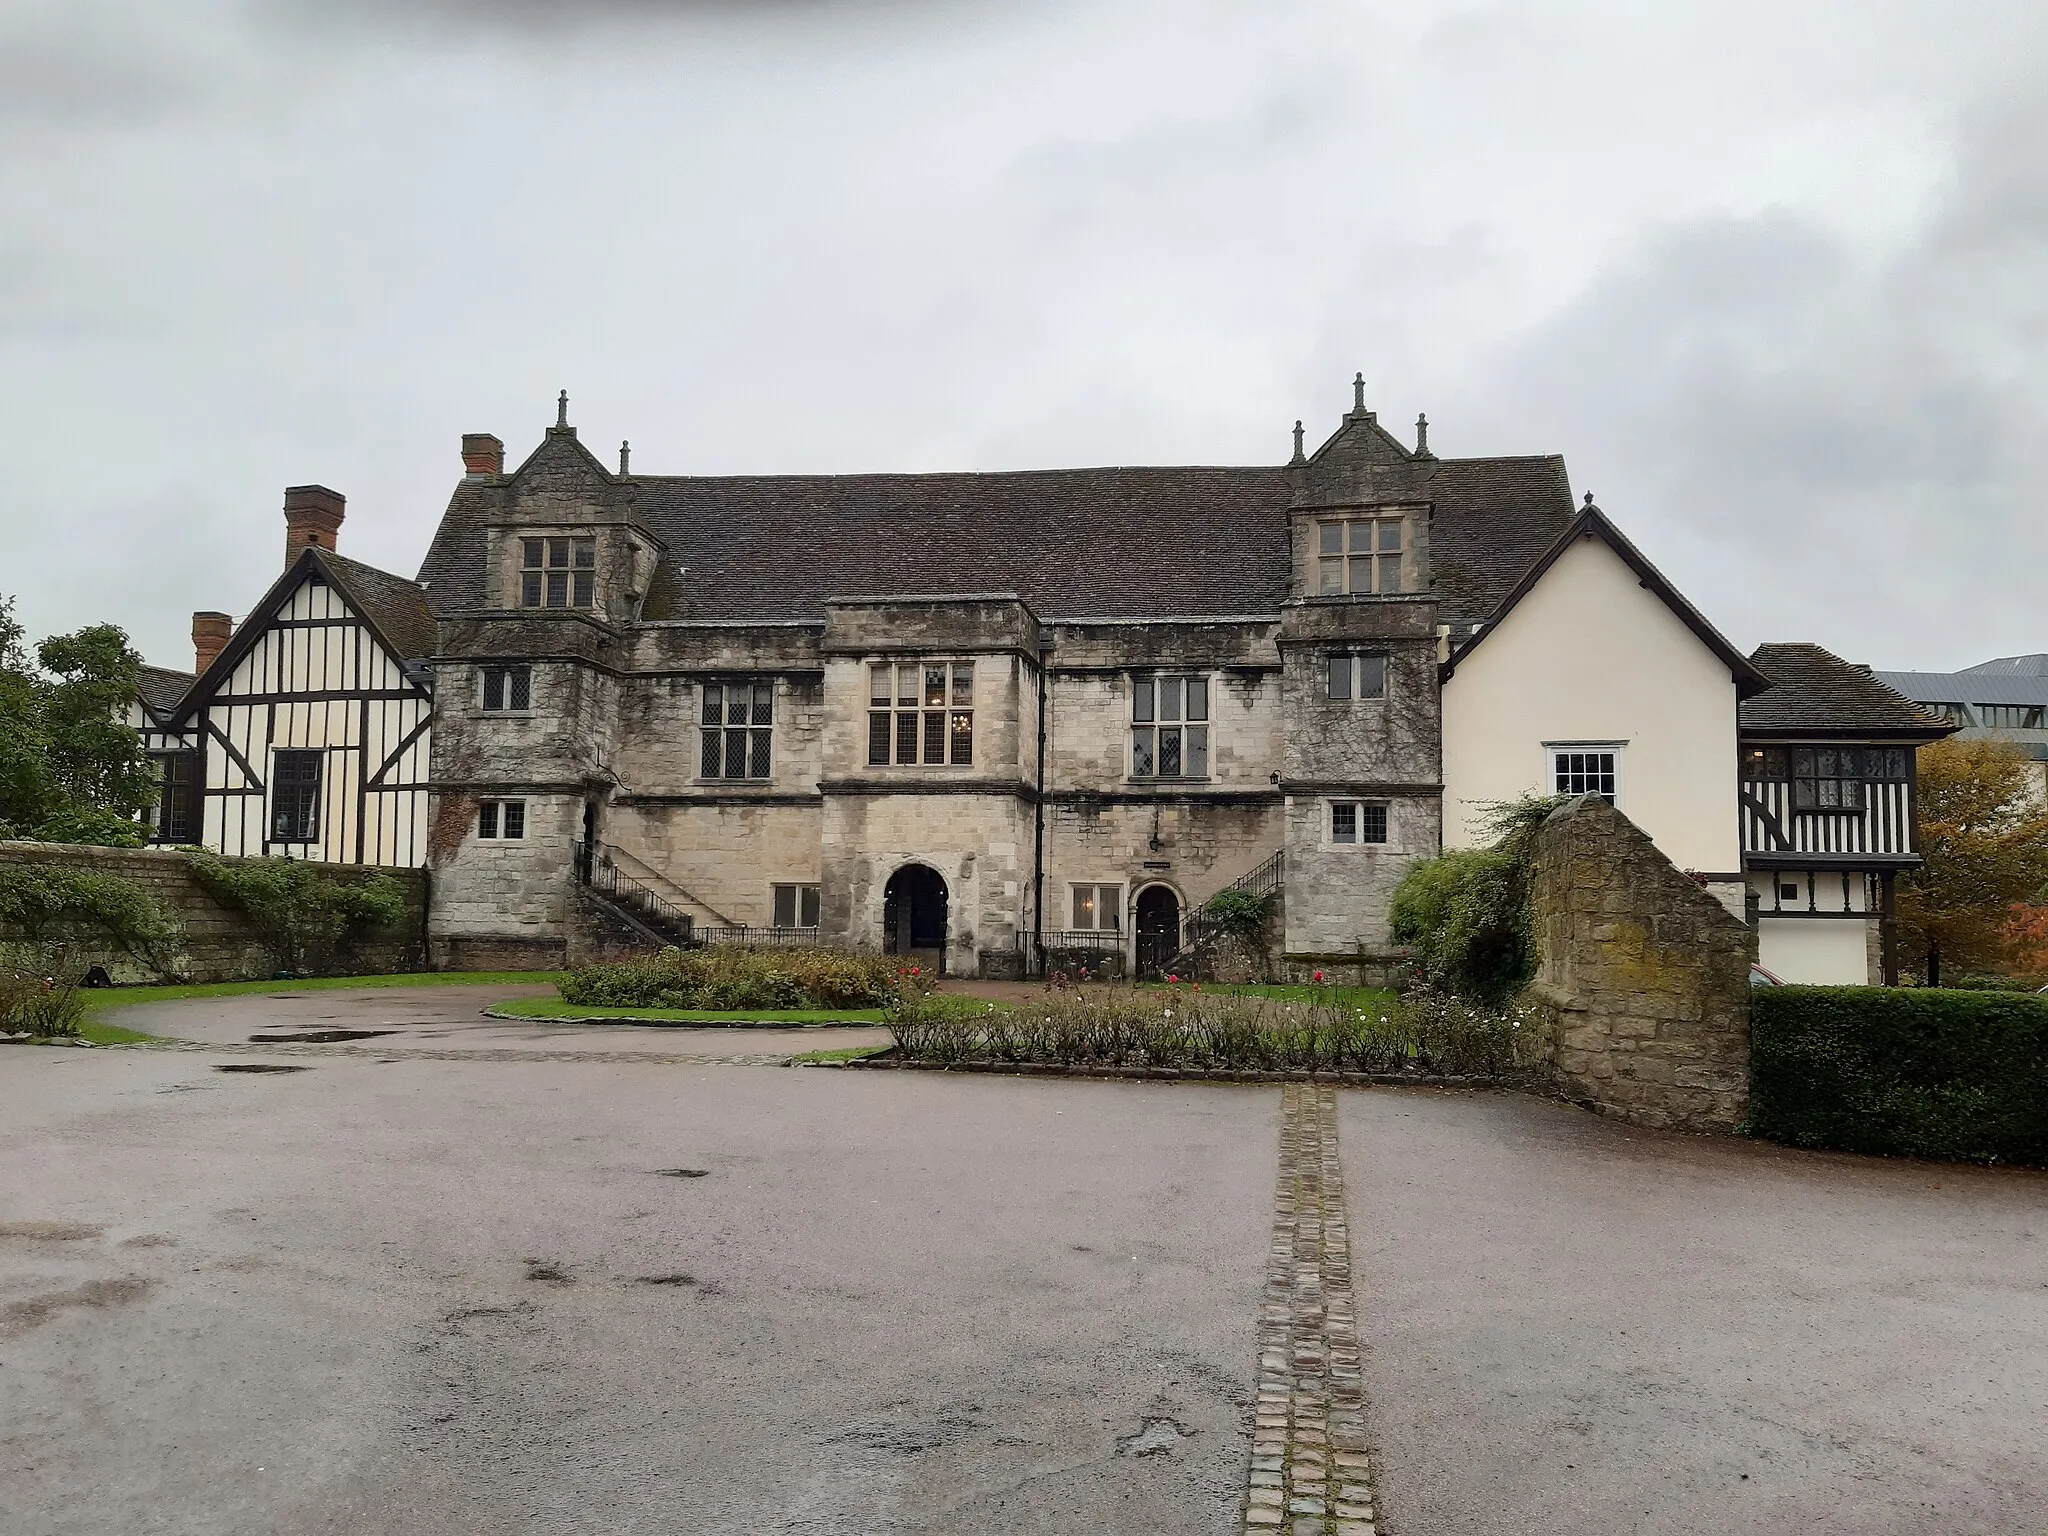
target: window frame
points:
(496, 817)
(545, 557)
(1152, 692)
(1552, 774)
(309, 800)
(1351, 672)
(177, 794)
(1364, 817)
(1350, 554)
(513, 678)
(908, 726)
(803, 896)
(752, 735)
(1097, 909)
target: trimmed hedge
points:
(1910, 1072)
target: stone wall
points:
(219, 943)
(1642, 985)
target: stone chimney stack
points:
(210, 633)
(482, 454)
(312, 515)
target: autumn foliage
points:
(1980, 899)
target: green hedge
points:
(1912, 1072)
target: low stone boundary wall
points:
(1642, 983)
(219, 944)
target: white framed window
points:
(737, 730)
(794, 906)
(1099, 908)
(501, 821)
(507, 690)
(921, 713)
(1356, 675)
(1169, 725)
(1358, 821)
(557, 573)
(1359, 555)
(1586, 768)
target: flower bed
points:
(1425, 1034)
(727, 978)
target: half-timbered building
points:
(308, 727)
(1829, 814)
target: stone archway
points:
(914, 915)
(1158, 930)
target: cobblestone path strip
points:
(1309, 1472)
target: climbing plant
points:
(53, 907)
(302, 914)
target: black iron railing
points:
(668, 922)
(760, 938)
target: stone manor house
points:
(1002, 719)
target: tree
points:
(1984, 842)
(71, 769)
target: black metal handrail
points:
(1266, 879)
(604, 876)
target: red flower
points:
(1172, 979)
(1319, 978)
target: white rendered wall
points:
(1816, 952)
(1591, 655)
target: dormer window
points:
(1358, 555)
(558, 573)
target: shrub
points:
(1915, 1072)
(1239, 912)
(734, 977)
(39, 1005)
(1427, 1033)
(302, 914)
(1466, 914)
(57, 905)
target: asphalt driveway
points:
(1575, 1326)
(473, 1277)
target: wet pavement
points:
(465, 1278)
(487, 1295)
(1572, 1326)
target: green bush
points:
(1240, 912)
(734, 977)
(302, 914)
(1427, 1033)
(1466, 916)
(59, 905)
(39, 1005)
(1914, 1072)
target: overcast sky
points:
(1769, 276)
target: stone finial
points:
(562, 410)
(625, 456)
(1589, 498)
(1421, 437)
(1299, 456)
(1358, 393)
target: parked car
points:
(1759, 977)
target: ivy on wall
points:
(303, 915)
(50, 906)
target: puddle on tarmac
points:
(683, 1173)
(319, 1036)
(259, 1066)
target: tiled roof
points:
(1815, 690)
(161, 689)
(396, 606)
(1074, 543)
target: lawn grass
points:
(554, 1008)
(845, 1053)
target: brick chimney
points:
(210, 633)
(482, 454)
(312, 515)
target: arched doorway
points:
(914, 915)
(1158, 931)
